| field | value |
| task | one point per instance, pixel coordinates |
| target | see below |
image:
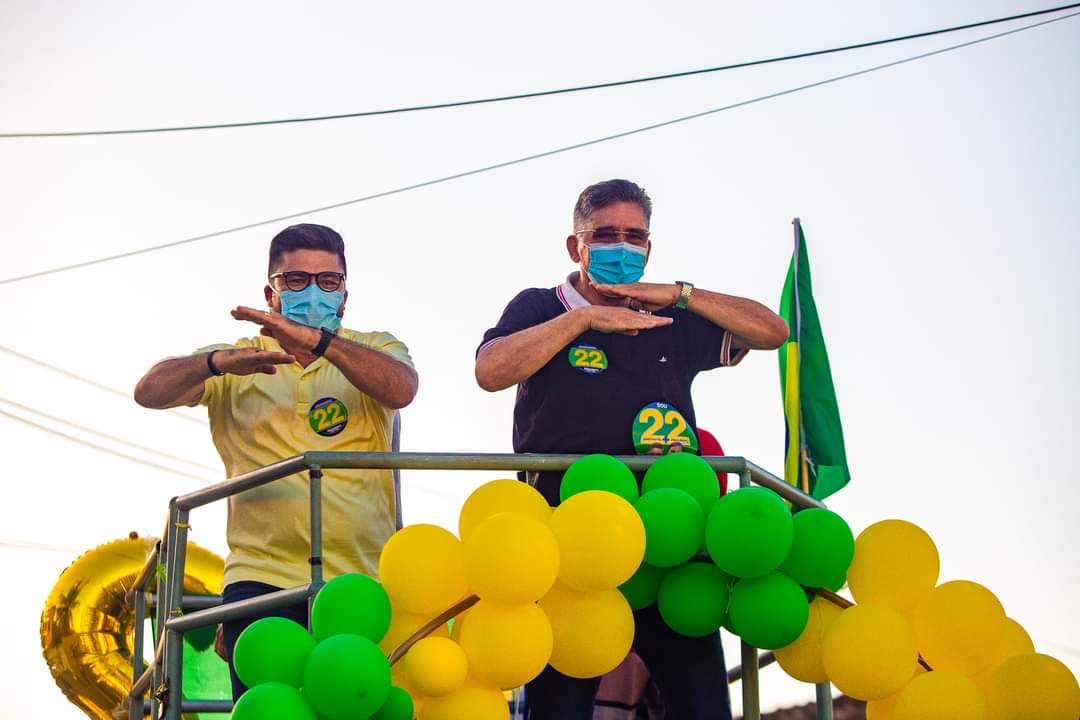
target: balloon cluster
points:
(984, 665)
(337, 671)
(760, 555)
(546, 583)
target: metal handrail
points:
(165, 673)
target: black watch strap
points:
(210, 364)
(324, 342)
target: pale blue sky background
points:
(939, 201)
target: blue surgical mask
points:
(312, 306)
(616, 263)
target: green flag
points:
(814, 457)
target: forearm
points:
(754, 325)
(514, 358)
(374, 373)
(174, 382)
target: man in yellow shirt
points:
(304, 383)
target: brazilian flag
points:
(814, 458)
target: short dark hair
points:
(306, 236)
(607, 193)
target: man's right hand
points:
(248, 361)
(607, 319)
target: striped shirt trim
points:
(727, 358)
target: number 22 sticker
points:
(659, 426)
(588, 359)
(328, 416)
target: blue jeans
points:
(689, 672)
(243, 590)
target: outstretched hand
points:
(642, 296)
(290, 335)
(608, 319)
(248, 361)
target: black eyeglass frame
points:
(322, 279)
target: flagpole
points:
(804, 475)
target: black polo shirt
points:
(586, 398)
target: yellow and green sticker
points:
(588, 359)
(328, 416)
(659, 427)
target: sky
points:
(938, 200)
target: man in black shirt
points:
(604, 363)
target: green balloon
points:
(693, 598)
(272, 650)
(749, 532)
(352, 604)
(346, 677)
(674, 526)
(599, 472)
(642, 587)
(822, 548)
(770, 611)
(272, 701)
(398, 706)
(688, 473)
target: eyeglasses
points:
(298, 280)
(633, 236)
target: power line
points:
(546, 93)
(40, 547)
(110, 451)
(527, 158)
(87, 381)
(106, 436)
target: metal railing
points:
(177, 614)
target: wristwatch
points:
(685, 289)
(325, 336)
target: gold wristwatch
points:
(685, 289)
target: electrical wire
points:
(528, 158)
(111, 438)
(87, 381)
(547, 93)
(109, 451)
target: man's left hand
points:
(275, 325)
(642, 296)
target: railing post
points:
(824, 701)
(174, 639)
(315, 475)
(135, 703)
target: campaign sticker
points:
(328, 416)
(588, 359)
(660, 428)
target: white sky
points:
(938, 198)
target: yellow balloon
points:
(421, 569)
(593, 630)
(959, 627)
(511, 559)
(403, 625)
(601, 540)
(1014, 641)
(941, 695)
(506, 646)
(501, 496)
(869, 652)
(436, 666)
(1033, 687)
(882, 709)
(895, 564)
(802, 658)
(471, 701)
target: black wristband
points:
(324, 342)
(210, 364)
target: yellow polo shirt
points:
(259, 419)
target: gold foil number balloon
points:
(87, 630)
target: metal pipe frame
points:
(167, 671)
